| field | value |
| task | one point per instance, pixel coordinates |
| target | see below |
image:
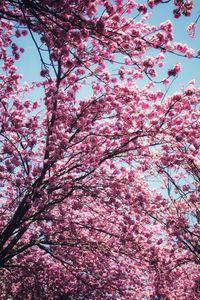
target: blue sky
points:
(190, 67)
(29, 64)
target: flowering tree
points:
(80, 217)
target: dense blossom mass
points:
(99, 165)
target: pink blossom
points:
(191, 30)
(99, 191)
(44, 72)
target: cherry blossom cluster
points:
(184, 7)
(99, 165)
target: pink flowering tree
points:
(80, 217)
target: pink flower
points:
(175, 70)
(190, 53)
(24, 32)
(142, 8)
(17, 56)
(177, 13)
(151, 3)
(17, 33)
(44, 72)
(165, 81)
(191, 30)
